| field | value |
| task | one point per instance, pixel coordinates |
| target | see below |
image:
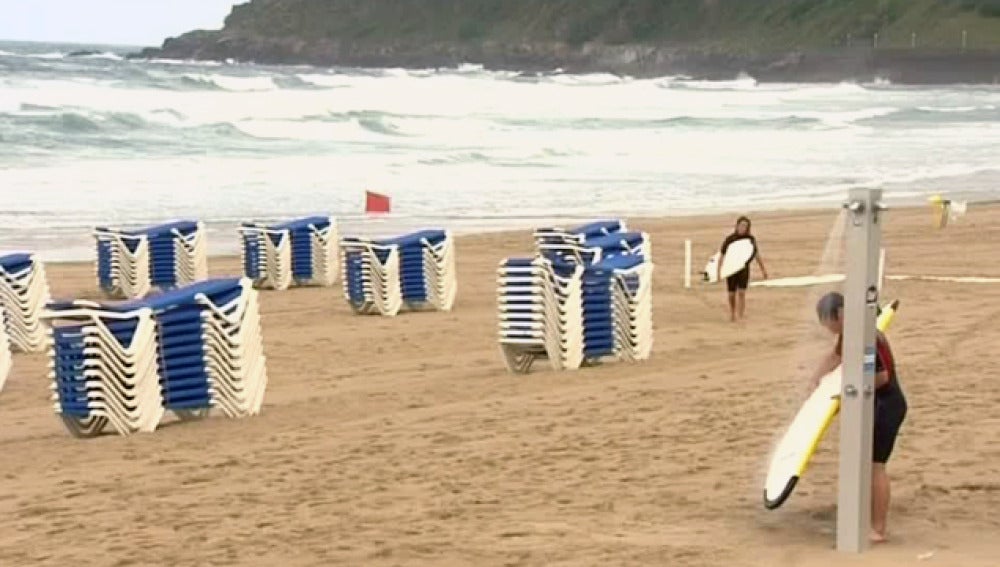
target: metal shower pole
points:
(857, 406)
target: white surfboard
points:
(799, 442)
(711, 269)
(738, 255)
(800, 439)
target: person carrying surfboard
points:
(890, 404)
(737, 283)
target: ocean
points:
(99, 140)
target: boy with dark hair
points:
(737, 284)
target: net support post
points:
(687, 264)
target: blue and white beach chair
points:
(590, 243)
(187, 351)
(598, 279)
(302, 250)
(618, 315)
(122, 263)
(131, 262)
(416, 270)
(103, 368)
(540, 313)
(555, 235)
(24, 292)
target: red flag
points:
(376, 202)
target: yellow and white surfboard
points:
(799, 443)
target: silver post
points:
(848, 40)
(687, 264)
(875, 40)
(913, 40)
(857, 406)
(965, 38)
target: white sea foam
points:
(96, 141)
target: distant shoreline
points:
(899, 66)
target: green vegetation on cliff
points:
(729, 25)
(773, 40)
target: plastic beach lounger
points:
(576, 235)
(130, 263)
(187, 351)
(302, 251)
(416, 271)
(585, 297)
(103, 368)
(540, 314)
(24, 292)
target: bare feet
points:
(876, 537)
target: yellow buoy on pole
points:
(941, 210)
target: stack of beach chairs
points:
(130, 263)
(415, 270)
(186, 351)
(301, 251)
(23, 294)
(24, 291)
(584, 297)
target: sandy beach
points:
(404, 441)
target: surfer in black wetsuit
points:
(736, 284)
(890, 404)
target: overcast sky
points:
(125, 22)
